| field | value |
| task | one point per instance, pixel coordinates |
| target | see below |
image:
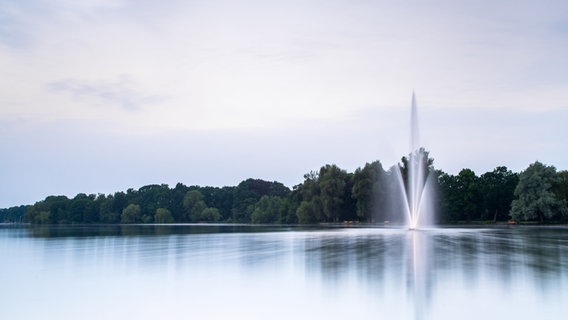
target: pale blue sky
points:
(99, 96)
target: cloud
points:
(123, 92)
(332, 79)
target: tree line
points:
(330, 194)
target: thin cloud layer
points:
(123, 93)
(121, 70)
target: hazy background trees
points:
(330, 194)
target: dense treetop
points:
(331, 194)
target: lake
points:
(282, 272)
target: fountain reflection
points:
(419, 275)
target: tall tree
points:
(131, 214)
(163, 215)
(152, 197)
(534, 196)
(561, 188)
(497, 188)
(468, 188)
(332, 184)
(194, 205)
(309, 209)
(368, 190)
(247, 194)
(448, 198)
(107, 214)
(210, 215)
(459, 195)
(267, 210)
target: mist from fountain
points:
(414, 185)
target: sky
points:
(99, 96)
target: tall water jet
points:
(412, 178)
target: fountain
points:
(413, 179)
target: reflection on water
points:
(221, 271)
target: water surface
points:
(251, 272)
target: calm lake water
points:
(251, 272)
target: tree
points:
(81, 209)
(44, 217)
(368, 190)
(561, 188)
(449, 211)
(54, 209)
(152, 197)
(309, 209)
(289, 207)
(220, 198)
(106, 211)
(163, 215)
(534, 196)
(130, 214)
(468, 188)
(210, 215)
(194, 205)
(306, 212)
(459, 195)
(267, 210)
(497, 188)
(13, 214)
(332, 191)
(348, 210)
(249, 192)
(324, 196)
(176, 207)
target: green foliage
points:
(329, 194)
(43, 217)
(324, 196)
(460, 196)
(197, 210)
(496, 189)
(307, 213)
(534, 196)
(468, 187)
(332, 191)
(220, 198)
(107, 213)
(449, 196)
(467, 197)
(289, 207)
(267, 210)
(210, 215)
(163, 215)
(310, 208)
(368, 189)
(249, 192)
(152, 197)
(185, 204)
(13, 214)
(131, 214)
(561, 187)
(194, 205)
(82, 208)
